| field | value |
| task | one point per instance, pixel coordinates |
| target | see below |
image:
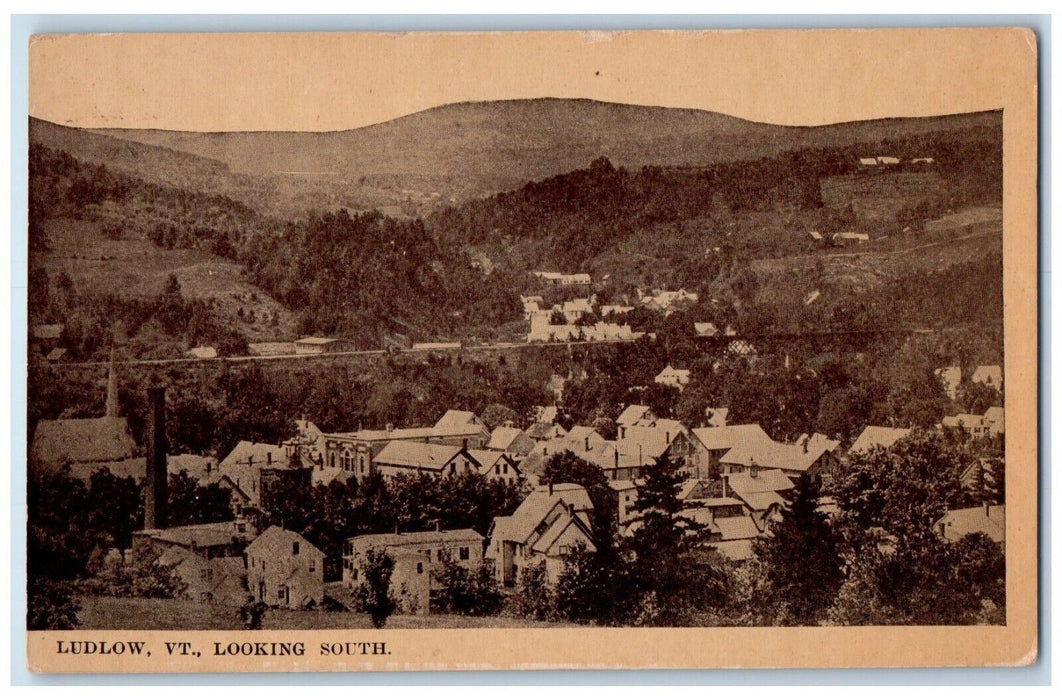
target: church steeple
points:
(112, 390)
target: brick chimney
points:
(155, 482)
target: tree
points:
(465, 591)
(374, 594)
(192, 504)
(672, 578)
(533, 598)
(803, 567)
(901, 571)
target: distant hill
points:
(465, 150)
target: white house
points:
(284, 569)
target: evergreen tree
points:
(803, 566)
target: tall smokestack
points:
(155, 444)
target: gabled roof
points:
(420, 455)
(772, 480)
(557, 530)
(255, 453)
(632, 414)
(459, 423)
(502, 437)
(82, 440)
(487, 458)
(534, 509)
(994, 415)
(778, 455)
(725, 437)
(965, 521)
(276, 542)
(878, 436)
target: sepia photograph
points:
(576, 342)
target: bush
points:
(251, 614)
(51, 606)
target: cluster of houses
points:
(737, 480)
(545, 327)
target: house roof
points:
(669, 371)
(545, 431)
(519, 526)
(487, 458)
(738, 527)
(772, 480)
(420, 455)
(725, 437)
(315, 340)
(48, 331)
(408, 539)
(255, 453)
(986, 374)
(777, 455)
(134, 468)
(708, 329)
(459, 423)
(762, 500)
(276, 542)
(963, 420)
(197, 466)
(502, 437)
(55, 354)
(994, 415)
(558, 528)
(878, 436)
(965, 521)
(203, 352)
(82, 440)
(632, 414)
(204, 535)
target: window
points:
(294, 548)
(280, 593)
(313, 565)
(353, 574)
(463, 553)
(420, 567)
(252, 562)
(497, 469)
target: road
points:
(474, 348)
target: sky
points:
(324, 82)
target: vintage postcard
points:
(532, 350)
